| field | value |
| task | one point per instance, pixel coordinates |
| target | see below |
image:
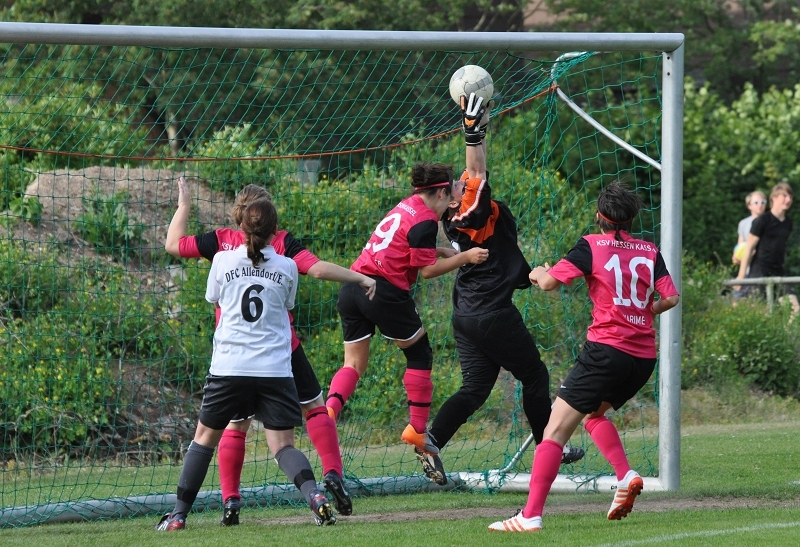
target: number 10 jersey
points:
(253, 336)
(621, 277)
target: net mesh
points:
(106, 339)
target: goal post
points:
(334, 152)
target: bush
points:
(31, 279)
(105, 223)
(53, 383)
(743, 342)
(195, 323)
(129, 323)
(28, 208)
(13, 177)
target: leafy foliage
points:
(31, 279)
(752, 147)
(758, 34)
(54, 386)
(13, 177)
(28, 208)
(106, 224)
(741, 344)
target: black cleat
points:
(230, 512)
(168, 523)
(571, 454)
(341, 497)
(432, 466)
(321, 507)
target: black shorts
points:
(273, 401)
(604, 374)
(392, 310)
(305, 380)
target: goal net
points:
(105, 339)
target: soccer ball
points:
(471, 79)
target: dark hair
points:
(617, 207)
(245, 196)
(259, 222)
(427, 178)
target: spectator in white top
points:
(756, 202)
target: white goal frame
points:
(671, 165)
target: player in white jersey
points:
(251, 370)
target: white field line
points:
(707, 533)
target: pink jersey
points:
(402, 243)
(621, 277)
(225, 239)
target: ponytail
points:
(259, 223)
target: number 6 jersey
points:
(621, 277)
(253, 337)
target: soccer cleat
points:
(571, 454)
(517, 523)
(168, 523)
(321, 507)
(230, 512)
(423, 441)
(627, 490)
(341, 497)
(432, 466)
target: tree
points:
(717, 31)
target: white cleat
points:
(517, 523)
(627, 490)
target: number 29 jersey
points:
(253, 337)
(621, 277)
(402, 243)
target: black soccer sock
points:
(298, 469)
(193, 473)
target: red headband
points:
(614, 222)
(435, 184)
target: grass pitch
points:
(740, 487)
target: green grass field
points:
(740, 487)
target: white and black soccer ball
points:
(471, 79)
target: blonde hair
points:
(247, 195)
(753, 193)
(780, 188)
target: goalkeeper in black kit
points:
(489, 331)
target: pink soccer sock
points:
(322, 432)
(606, 437)
(546, 461)
(343, 384)
(230, 458)
(419, 389)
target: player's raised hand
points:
(473, 111)
(184, 198)
(477, 255)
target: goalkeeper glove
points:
(475, 119)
